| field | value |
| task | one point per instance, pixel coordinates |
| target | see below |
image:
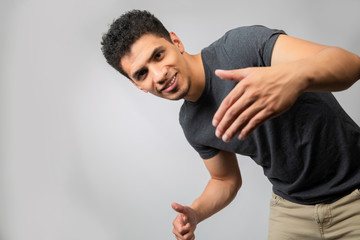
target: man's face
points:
(157, 66)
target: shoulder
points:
(252, 33)
(247, 29)
(252, 36)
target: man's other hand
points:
(184, 223)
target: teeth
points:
(171, 83)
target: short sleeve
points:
(251, 45)
(205, 152)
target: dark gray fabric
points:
(310, 154)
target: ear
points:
(136, 85)
(177, 42)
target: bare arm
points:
(221, 189)
(223, 185)
(319, 67)
(263, 93)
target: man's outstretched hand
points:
(185, 222)
(261, 94)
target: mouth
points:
(171, 85)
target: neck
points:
(197, 79)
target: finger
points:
(179, 224)
(233, 75)
(255, 122)
(189, 236)
(179, 221)
(184, 232)
(185, 229)
(232, 120)
(180, 228)
(227, 102)
(231, 117)
(178, 237)
(243, 120)
(184, 238)
(232, 96)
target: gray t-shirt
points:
(310, 154)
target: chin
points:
(175, 98)
(178, 95)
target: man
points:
(277, 110)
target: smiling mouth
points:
(171, 85)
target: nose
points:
(159, 74)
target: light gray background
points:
(85, 155)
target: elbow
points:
(353, 66)
(232, 185)
(358, 67)
(235, 187)
(237, 183)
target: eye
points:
(159, 55)
(141, 74)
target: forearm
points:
(332, 69)
(217, 195)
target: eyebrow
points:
(154, 52)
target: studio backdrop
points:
(86, 155)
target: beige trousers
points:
(338, 220)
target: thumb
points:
(233, 75)
(178, 208)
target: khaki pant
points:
(338, 220)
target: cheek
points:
(147, 85)
(176, 58)
(181, 63)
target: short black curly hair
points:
(125, 30)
